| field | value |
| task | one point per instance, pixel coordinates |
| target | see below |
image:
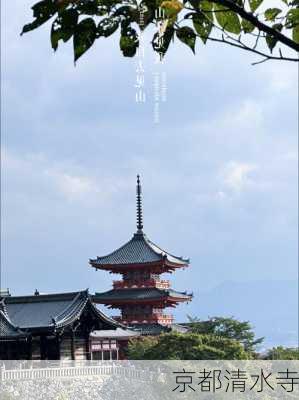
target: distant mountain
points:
(271, 307)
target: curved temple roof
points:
(147, 294)
(50, 311)
(118, 333)
(139, 250)
(7, 328)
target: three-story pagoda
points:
(141, 295)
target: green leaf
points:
(277, 27)
(203, 26)
(84, 37)
(44, 8)
(272, 40)
(42, 12)
(292, 18)
(63, 27)
(107, 26)
(295, 34)
(90, 7)
(187, 36)
(247, 26)
(228, 20)
(128, 41)
(272, 13)
(206, 5)
(127, 12)
(254, 4)
(172, 8)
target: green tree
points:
(188, 346)
(138, 347)
(230, 328)
(282, 353)
(245, 24)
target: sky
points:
(219, 171)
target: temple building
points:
(65, 326)
(69, 326)
(141, 295)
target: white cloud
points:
(70, 185)
(248, 110)
(36, 171)
(236, 175)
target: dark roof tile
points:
(7, 328)
(138, 250)
(150, 329)
(138, 294)
(50, 311)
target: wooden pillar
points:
(87, 350)
(18, 350)
(42, 347)
(73, 345)
(29, 348)
(58, 341)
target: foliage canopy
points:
(228, 328)
(188, 346)
(282, 353)
(246, 24)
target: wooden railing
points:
(70, 372)
(160, 284)
(137, 319)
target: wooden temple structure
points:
(141, 295)
(65, 326)
(69, 326)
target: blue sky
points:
(219, 171)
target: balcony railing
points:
(160, 284)
(163, 319)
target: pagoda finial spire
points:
(139, 206)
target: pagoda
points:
(141, 295)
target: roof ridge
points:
(138, 250)
(69, 306)
(106, 317)
(8, 321)
(73, 313)
(149, 242)
(135, 289)
(114, 251)
(3, 308)
(138, 236)
(41, 297)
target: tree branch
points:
(243, 46)
(257, 23)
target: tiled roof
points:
(138, 250)
(118, 333)
(139, 294)
(50, 311)
(151, 329)
(157, 329)
(7, 328)
(180, 328)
